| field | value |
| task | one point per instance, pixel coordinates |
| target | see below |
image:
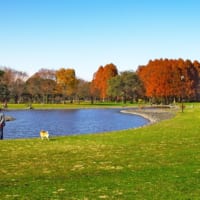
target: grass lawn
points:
(68, 105)
(160, 161)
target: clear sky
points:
(84, 34)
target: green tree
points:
(1, 74)
(126, 85)
(83, 90)
(4, 92)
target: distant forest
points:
(160, 81)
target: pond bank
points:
(154, 115)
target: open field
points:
(160, 161)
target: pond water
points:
(28, 123)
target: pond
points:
(28, 123)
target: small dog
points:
(44, 134)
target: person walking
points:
(2, 123)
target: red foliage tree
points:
(99, 83)
(168, 79)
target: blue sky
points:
(84, 34)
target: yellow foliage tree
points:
(66, 82)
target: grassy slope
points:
(161, 161)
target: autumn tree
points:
(196, 65)
(44, 73)
(100, 79)
(66, 82)
(46, 78)
(95, 86)
(40, 88)
(32, 92)
(14, 81)
(163, 79)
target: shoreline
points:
(154, 115)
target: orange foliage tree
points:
(66, 82)
(169, 79)
(100, 80)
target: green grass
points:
(70, 105)
(161, 161)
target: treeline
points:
(167, 80)
(160, 81)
